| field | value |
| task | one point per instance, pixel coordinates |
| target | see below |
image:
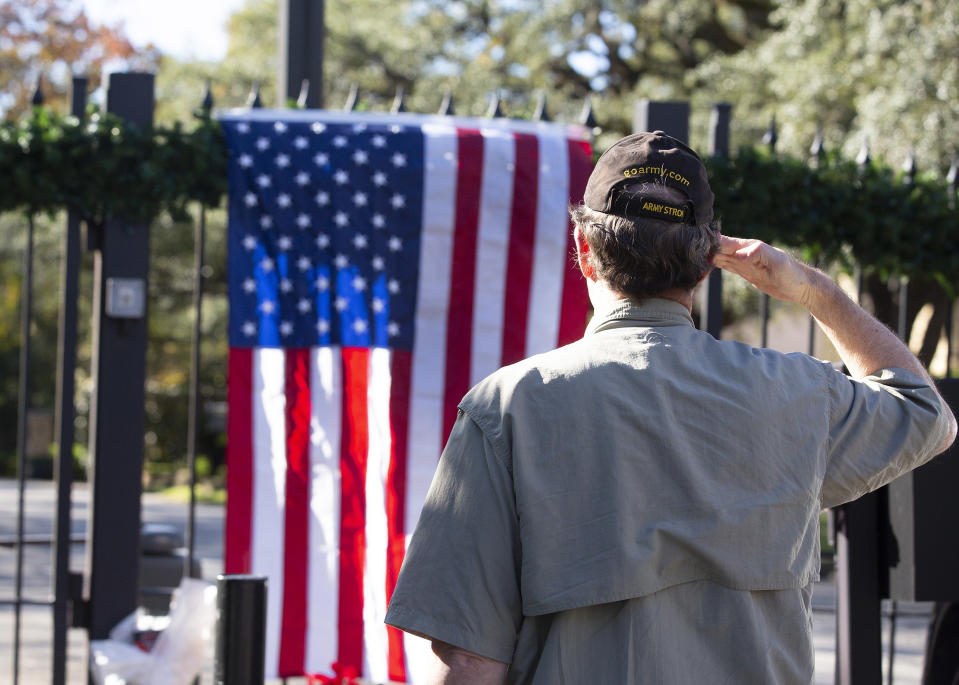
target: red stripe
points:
(239, 461)
(459, 330)
(522, 235)
(296, 539)
(575, 302)
(354, 449)
(396, 496)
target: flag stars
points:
(302, 179)
(267, 307)
(249, 329)
(322, 284)
(286, 328)
(398, 159)
(264, 181)
(286, 285)
(378, 221)
(284, 243)
(266, 265)
(303, 220)
(359, 128)
(378, 263)
(359, 284)
(303, 263)
(283, 160)
(359, 241)
(266, 222)
(242, 127)
(321, 159)
(341, 303)
(249, 286)
(360, 157)
(262, 143)
(283, 200)
(379, 178)
(341, 261)
(339, 141)
(246, 161)
(360, 326)
(359, 199)
(304, 305)
(279, 127)
(341, 177)
(250, 200)
(249, 243)
(322, 326)
(392, 329)
(322, 241)
(341, 219)
(322, 198)
(301, 143)
(396, 128)
(398, 201)
(393, 286)
(378, 141)
(395, 244)
(378, 305)
(318, 127)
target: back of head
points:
(648, 216)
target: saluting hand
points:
(768, 268)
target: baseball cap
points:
(632, 164)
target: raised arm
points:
(863, 343)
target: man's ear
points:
(583, 254)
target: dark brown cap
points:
(627, 168)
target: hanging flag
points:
(379, 265)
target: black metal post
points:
(952, 177)
(23, 406)
(301, 34)
(711, 314)
(66, 388)
(121, 266)
(240, 656)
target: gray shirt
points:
(642, 505)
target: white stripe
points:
(326, 397)
(375, 645)
(549, 249)
(492, 249)
(269, 489)
(428, 363)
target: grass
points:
(206, 493)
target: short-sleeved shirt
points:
(642, 505)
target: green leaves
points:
(105, 167)
(840, 212)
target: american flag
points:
(379, 265)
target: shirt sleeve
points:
(879, 427)
(460, 580)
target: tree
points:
(53, 40)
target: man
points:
(642, 506)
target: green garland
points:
(836, 211)
(104, 167)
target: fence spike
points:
(494, 111)
(207, 104)
(37, 99)
(771, 137)
(817, 149)
(446, 107)
(254, 101)
(541, 113)
(304, 95)
(909, 166)
(399, 101)
(587, 118)
(350, 103)
(864, 156)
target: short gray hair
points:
(644, 257)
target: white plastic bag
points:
(179, 652)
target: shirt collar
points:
(653, 311)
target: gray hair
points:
(643, 257)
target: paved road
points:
(37, 625)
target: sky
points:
(181, 28)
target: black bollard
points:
(240, 630)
